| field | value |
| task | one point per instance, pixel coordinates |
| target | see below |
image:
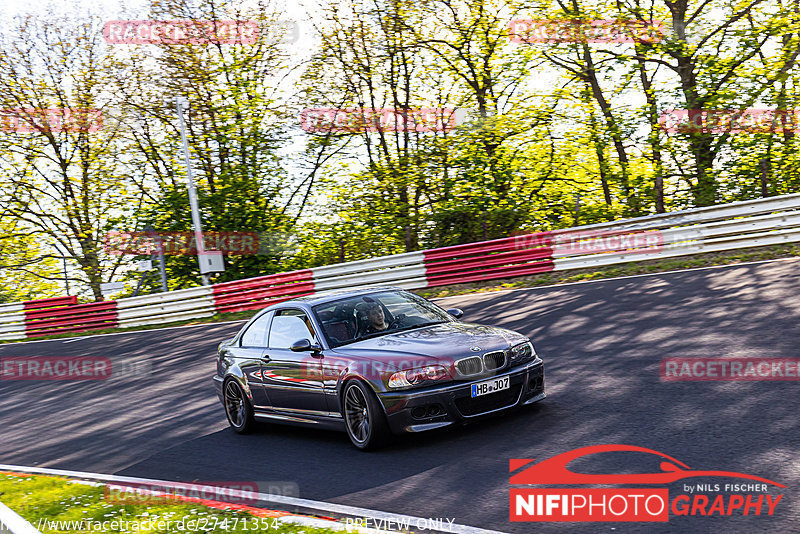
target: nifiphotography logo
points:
(584, 504)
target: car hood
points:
(442, 343)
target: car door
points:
(249, 353)
(293, 379)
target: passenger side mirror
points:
(303, 345)
(455, 312)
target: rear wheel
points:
(364, 417)
(238, 408)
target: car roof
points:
(336, 294)
(321, 298)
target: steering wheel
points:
(396, 321)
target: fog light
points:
(434, 409)
(418, 412)
(535, 383)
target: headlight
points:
(522, 352)
(418, 376)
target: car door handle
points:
(266, 359)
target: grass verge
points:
(55, 504)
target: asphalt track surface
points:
(601, 342)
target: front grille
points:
(469, 366)
(494, 360)
(487, 403)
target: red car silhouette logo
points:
(554, 470)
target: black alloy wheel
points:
(364, 417)
(237, 408)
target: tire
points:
(363, 416)
(238, 409)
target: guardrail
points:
(752, 223)
(252, 293)
(488, 260)
(171, 306)
(403, 270)
(71, 318)
(16, 319)
(12, 321)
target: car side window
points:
(289, 326)
(256, 333)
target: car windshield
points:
(361, 317)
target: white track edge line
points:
(322, 506)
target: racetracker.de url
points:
(185, 524)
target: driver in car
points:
(376, 322)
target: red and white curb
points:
(302, 511)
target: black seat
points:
(338, 325)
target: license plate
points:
(490, 386)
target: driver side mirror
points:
(455, 312)
(303, 345)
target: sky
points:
(9, 8)
(111, 8)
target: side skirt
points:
(299, 419)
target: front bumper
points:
(438, 406)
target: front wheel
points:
(238, 408)
(364, 417)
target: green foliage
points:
(26, 272)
